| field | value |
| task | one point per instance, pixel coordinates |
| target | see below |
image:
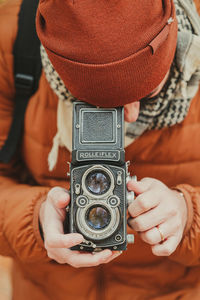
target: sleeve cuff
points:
(22, 227)
(188, 251)
(36, 225)
(188, 200)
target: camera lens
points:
(98, 182)
(98, 217)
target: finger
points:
(148, 219)
(143, 203)
(113, 256)
(63, 240)
(167, 247)
(90, 259)
(59, 197)
(53, 219)
(60, 255)
(79, 259)
(139, 187)
(167, 229)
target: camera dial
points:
(82, 201)
(113, 201)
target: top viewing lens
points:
(98, 182)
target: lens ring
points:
(107, 172)
(98, 217)
(97, 182)
(94, 234)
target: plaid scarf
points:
(171, 105)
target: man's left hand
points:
(158, 214)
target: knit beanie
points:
(109, 52)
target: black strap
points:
(27, 71)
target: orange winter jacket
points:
(171, 155)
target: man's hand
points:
(158, 214)
(57, 244)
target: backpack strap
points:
(27, 71)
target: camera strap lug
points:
(119, 177)
(77, 189)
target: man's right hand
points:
(52, 215)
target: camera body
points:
(98, 173)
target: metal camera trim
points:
(97, 234)
(103, 196)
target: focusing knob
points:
(128, 178)
(130, 197)
(130, 238)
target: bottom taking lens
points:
(98, 217)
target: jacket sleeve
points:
(188, 251)
(19, 228)
(19, 203)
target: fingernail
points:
(64, 198)
(62, 201)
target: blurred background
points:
(5, 267)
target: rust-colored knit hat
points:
(109, 52)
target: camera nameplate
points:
(97, 155)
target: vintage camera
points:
(98, 174)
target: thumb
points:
(63, 200)
(139, 187)
(59, 197)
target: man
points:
(108, 54)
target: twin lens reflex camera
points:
(98, 175)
